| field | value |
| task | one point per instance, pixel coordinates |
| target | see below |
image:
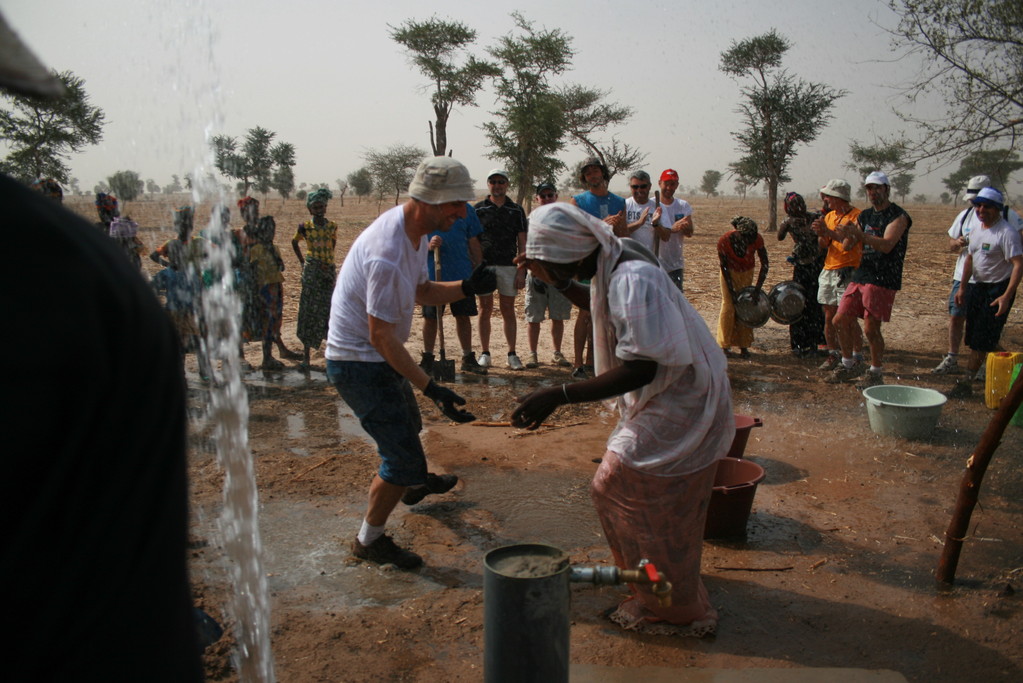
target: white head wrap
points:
(563, 233)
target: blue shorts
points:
(383, 401)
(953, 310)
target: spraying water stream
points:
(198, 92)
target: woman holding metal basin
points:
(658, 361)
(738, 250)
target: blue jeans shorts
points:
(383, 401)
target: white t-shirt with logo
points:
(671, 251)
(991, 249)
(965, 223)
(644, 234)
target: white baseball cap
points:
(976, 184)
(877, 178)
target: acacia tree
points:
(901, 184)
(587, 115)
(434, 46)
(342, 187)
(361, 182)
(709, 183)
(393, 168)
(779, 111)
(530, 129)
(998, 165)
(972, 60)
(255, 161)
(42, 134)
(745, 177)
(127, 185)
(888, 156)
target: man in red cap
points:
(674, 224)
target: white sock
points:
(369, 533)
(876, 369)
(848, 362)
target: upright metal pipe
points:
(525, 614)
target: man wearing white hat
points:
(843, 255)
(503, 238)
(958, 240)
(382, 279)
(991, 275)
(883, 232)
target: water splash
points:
(197, 91)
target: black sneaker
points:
(435, 483)
(469, 364)
(384, 551)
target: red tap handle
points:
(651, 572)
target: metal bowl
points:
(750, 312)
(788, 302)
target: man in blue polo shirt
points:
(460, 252)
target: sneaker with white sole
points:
(513, 362)
(830, 363)
(580, 373)
(560, 360)
(842, 373)
(532, 361)
(948, 365)
(484, 361)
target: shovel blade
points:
(443, 369)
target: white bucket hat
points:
(837, 187)
(440, 180)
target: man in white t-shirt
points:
(674, 223)
(382, 279)
(958, 240)
(994, 261)
(640, 211)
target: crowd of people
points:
(619, 262)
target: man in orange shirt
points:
(842, 259)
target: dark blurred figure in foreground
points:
(94, 492)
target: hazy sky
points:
(327, 78)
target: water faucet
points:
(644, 573)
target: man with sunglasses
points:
(503, 238)
(640, 210)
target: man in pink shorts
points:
(883, 230)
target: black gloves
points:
(447, 399)
(482, 281)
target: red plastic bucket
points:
(735, 484)
(743, 425)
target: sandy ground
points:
(837, 569)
